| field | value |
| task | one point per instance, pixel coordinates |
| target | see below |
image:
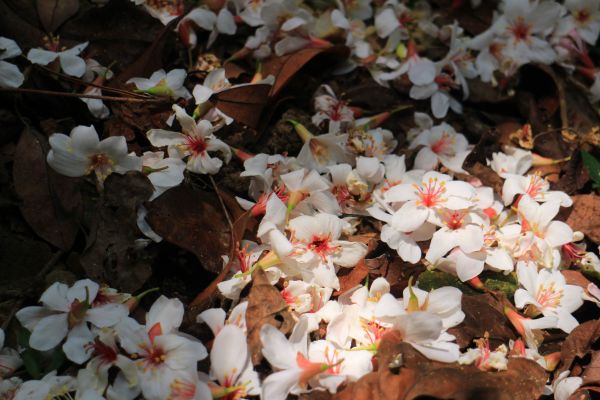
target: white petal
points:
(229, 354)
(49, 332)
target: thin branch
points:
(84, 83)
(222, 203)
(82, 95)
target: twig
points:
(222, 203)
(84, 83)
(81, 95)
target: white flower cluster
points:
(311, 205)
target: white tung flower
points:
(194, 142)
(10, 76)
(549, 293)
(82, 153)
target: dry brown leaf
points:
(50, 203)
(418, 377)
(193, 220)
(591, 376)
(483, 313)
(578, 343)
(356, 276)
(265, 306)
(112, 255)
(243, 103)
(585, 216)
(285, 68)
(53, 13)
(575, 278)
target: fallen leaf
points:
(418, 377)
(51, 203)
(243, 103)
(193, 220)
(53, 13)
(483, 313)
(284, 68)
(575, 278)
(239, 228)
(578, 343)
(591, 373)
(112, 255)
(356, 276)
(585, 216)
(265, 306)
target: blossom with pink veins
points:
(441, 144)
(533, 186)
(231, 372)
(347, 365)
(538, 219)
(353, 187)
(584, 17)
(82, 153)
(524, 27)
(289, 358)
(303, 297)
(193, 142)
(102, 348)
(318, 250)
(422, 202)
(308, 191)
(165, 359)
(459, 229)
(66, 312)
(513, 161)
(549, 294)
(329, 108)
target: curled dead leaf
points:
(265, 306)
(585, 216)
(578, 343)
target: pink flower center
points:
(520, 29)
(443, 145)
(454, 219)
(536, 185)
(549, 296)
(196, 145)
(430, 193)
(107, 354)
(320, 245)
(582, 16)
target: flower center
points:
(455, 219)
(107, 354)
(320, 245)
(196, 145)
(582, 16)
(443, 145)
(430, 192)
(536, 185)
(520, 29)
(549, 297)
